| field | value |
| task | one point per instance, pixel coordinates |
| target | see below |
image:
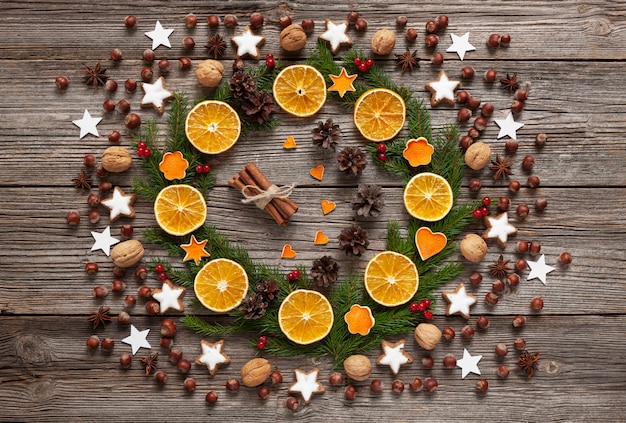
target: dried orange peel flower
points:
(360, 320)
(418, 152)
(173, 165)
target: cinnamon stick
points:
(241, 180)
(286, 206)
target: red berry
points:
(413, 307)
(363, 67)
(261, 345)
(263, 338)
(486, 201)
(206, 168)
(162, 276)
(426, 303)
(369, 62)
(382, 157)
(357, 62)
(296, 273)
(484, 211)
(269, 56)
(291, 277)
(146, 153)
(421, 306)
(381, 148)
(159, 268)
(428, 315)
(477, 213)
(199, 169)
(141, 145)
(270, 63)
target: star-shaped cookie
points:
(121, 204)
(212, 355)
(336, 35)
(459, 301)
(195, 250)
(155, 95)
(442, 89)
(169, 296)
(394, 356)
(306, 384)
(342, 83)
(499, 228)
(137, 339)
(508, 126)
(248, 44)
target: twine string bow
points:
(264, 197)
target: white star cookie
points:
(306, 384)
(442, 89)
(121, 204)
(336, 35)
(248, 44)
(155, 95)
(394, 356)
(499, 228)
(160, 36)
(212, 355)
(169, 296)
(137, 339)
(459, 301)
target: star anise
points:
(150, 362)
(407, 60)
(528, 362)
(100, 317)
(95, 76)
(216, 46)
(500, 268)
(83, 181)
(501, 167)
(510, 82)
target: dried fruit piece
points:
(360, 320)
(391, 279)
(173, 165)
(288, 252)
(328, 206)
(379, 114)
(428, 197)
(305, 316)
(212, 126)
(429, 243)
(300, 90)
(317, 172)
(221, 285)
(418, 152)
(180, 209)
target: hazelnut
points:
(448, 333)
(427, 335)
(473, 247)
(467, 332)
(209, 73)
(428, 362)
(449, 361)
(358, 367)
(478, 155)
(284, 21)
(293, 38)
(430, 384)
(383, 42)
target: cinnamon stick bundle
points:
(252, 182)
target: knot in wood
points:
(32, 349)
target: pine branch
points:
(204, 328)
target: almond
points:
(427, 335)
(116, 159)
(358, 367)
(127, 253)
(255, 372)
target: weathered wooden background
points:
(572, 53)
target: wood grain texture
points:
(569, 53)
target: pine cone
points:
(241, 84)
(253, 307)
(351, 161)
(324, 271)
(368, 200)
(326, 135)
(258, 105)
(268, 289)
(353, 240)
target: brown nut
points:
(116, 159)
(127, 253)
(255, 372)
(209, 73)
(383, 42)
(427, 335)
(357, 367)
(293, 38)
(478, 155)
(473, 248)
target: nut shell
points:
(478, 155)
(116, 159)
(209, 72)
(383, 42)
(427, 335)
(358, 367)
(255, 372)
(473, 248)
(293, 38)
(127, 253)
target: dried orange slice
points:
(173, 165)
(305, 316)
(391, 279)
(359, 319)
(212, 126)
(428, 197)
(221, 285)
(379, 114)
(300, 90)
(180, 209)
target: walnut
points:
(293, 38)
(127, 253)
(427, 335)
(116, 159)
(358, 367)
(255, 372)
(478, 155)
(473, 248)
(383, 42)
(209, 72)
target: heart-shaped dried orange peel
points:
(290, 143)
(288, 252)
(173, 165)
(360, 320)
(317, 172)
(418, 152)
(328, 206)
(320, 238)
(429, 243)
